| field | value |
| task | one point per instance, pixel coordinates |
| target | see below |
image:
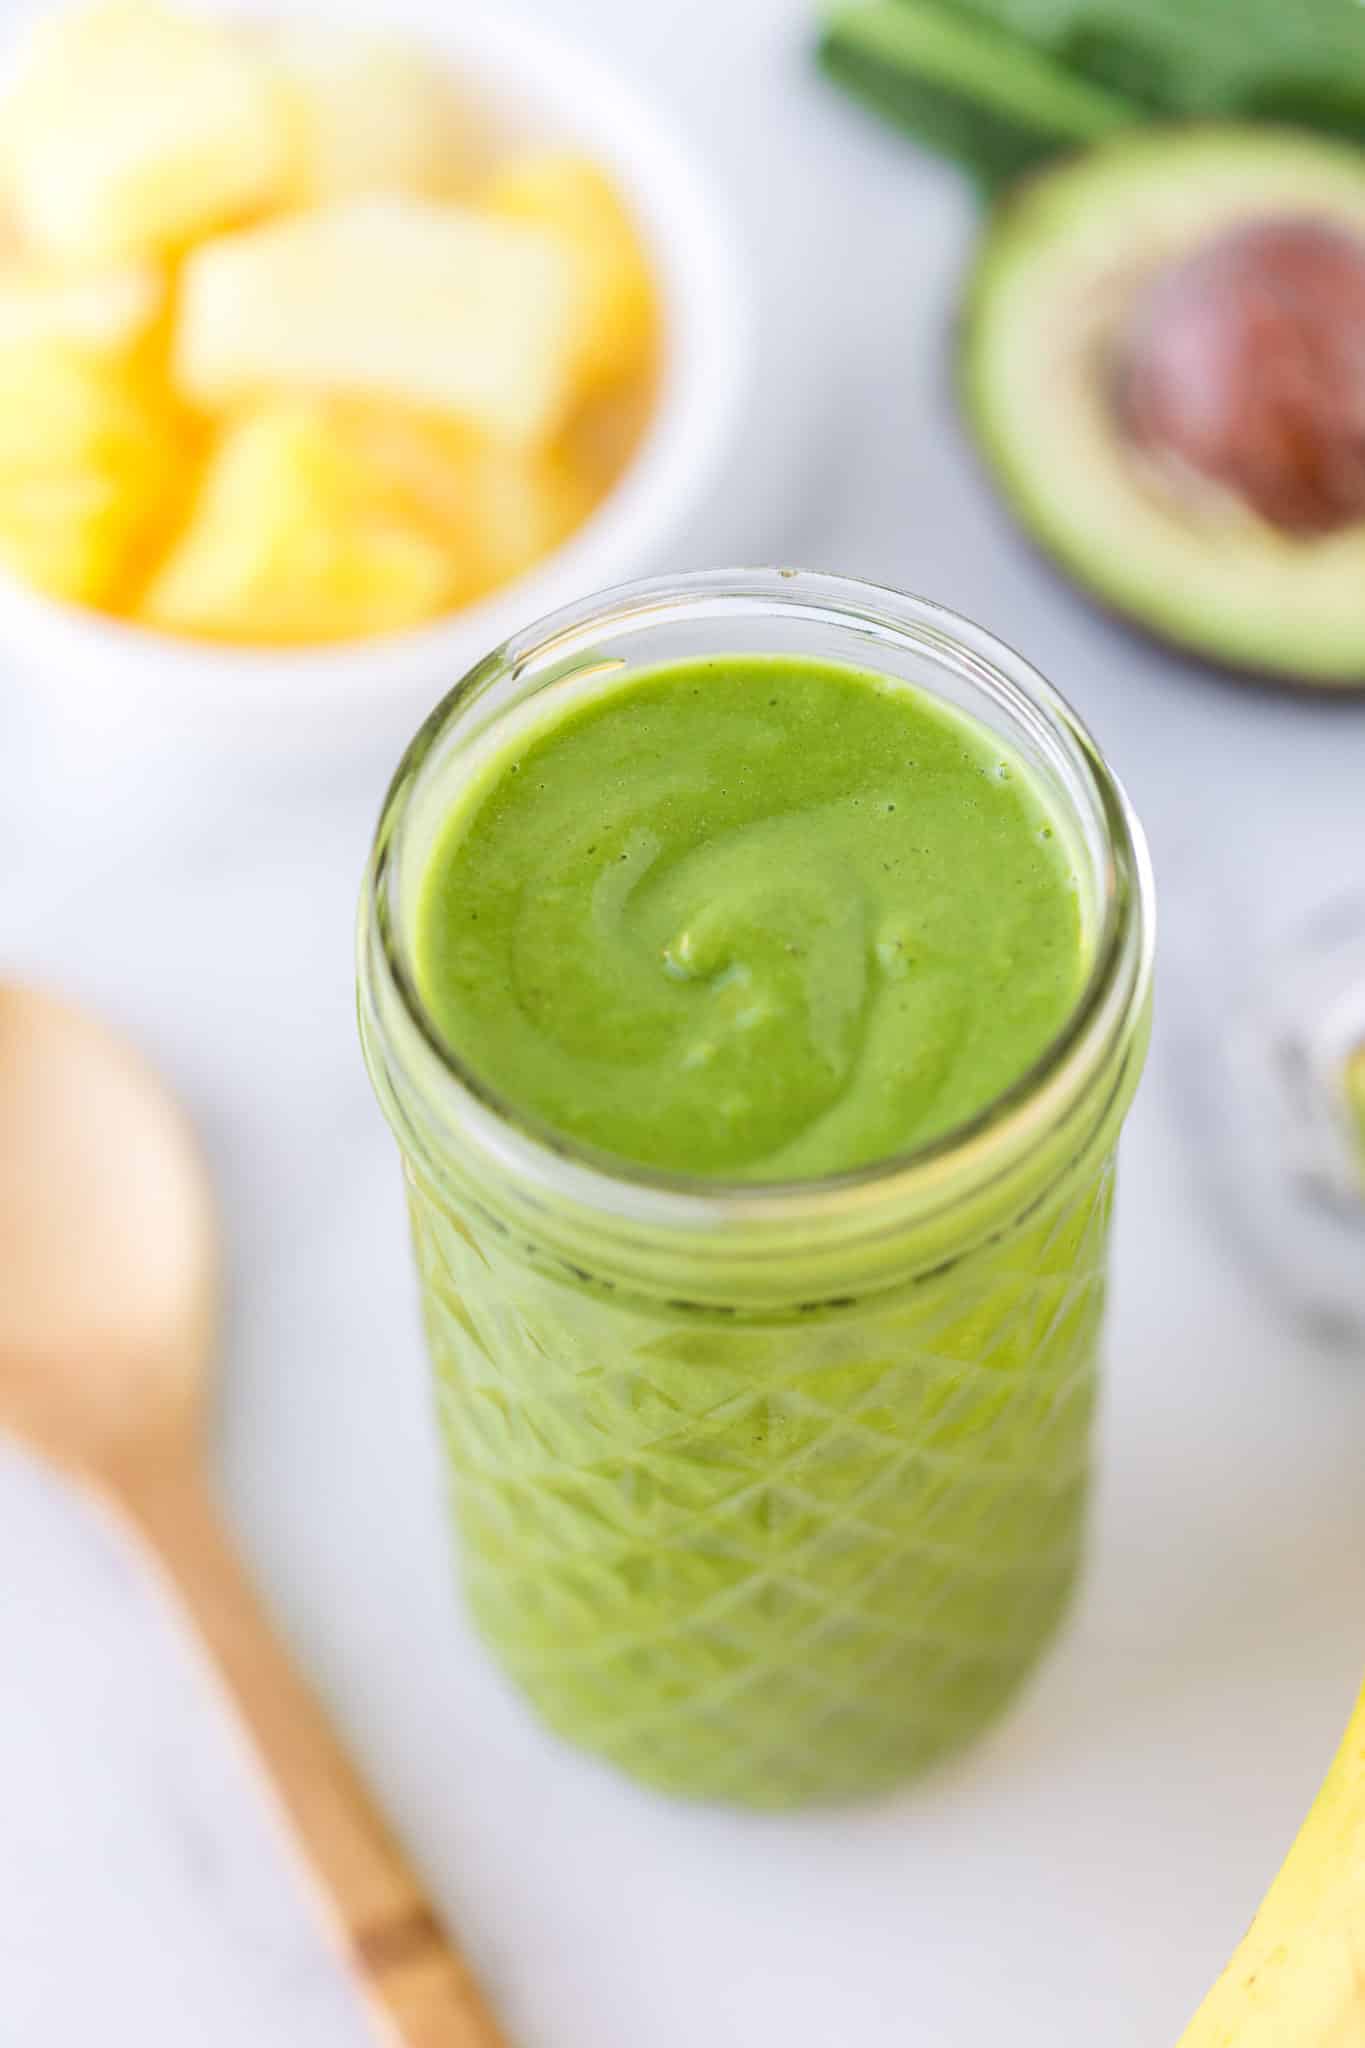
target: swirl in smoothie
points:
(751, 918)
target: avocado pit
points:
(1245, 363)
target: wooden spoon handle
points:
(419, 1990)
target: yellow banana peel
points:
(1298, 1978)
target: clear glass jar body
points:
(766, 1493)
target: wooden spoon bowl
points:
(107, 1246)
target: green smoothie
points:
(755, 918)
(769, 1473)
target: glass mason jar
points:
(766, 1493)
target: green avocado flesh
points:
(750, 918)
(1051, 299)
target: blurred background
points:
(187, 858)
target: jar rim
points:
(557, 1165)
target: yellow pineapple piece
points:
(132, 129)
(102, 310)
(521, 510)
(91, 469)
(295, 537)
(64, 408)
(571, 196)
(603, 433)
(325, 520)
(64, 536)
(372, 113)
(435, 306)
(499, 507)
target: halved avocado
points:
(1163, 359)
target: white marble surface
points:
(1079, 1878)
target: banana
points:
(1298, 1978)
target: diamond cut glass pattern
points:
(771, 1559)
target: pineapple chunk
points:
(521, 510)
(131, 129)
(571, 196)
(91, 469)
(321, 520)
(604, 432)
(497, 506)
(296, 538)
(64, 536)
(372, 113)
(110, 310)
(436, 306)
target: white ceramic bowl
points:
(123, 688)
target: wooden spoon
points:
(108, 1293)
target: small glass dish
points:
(1278, 1102)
